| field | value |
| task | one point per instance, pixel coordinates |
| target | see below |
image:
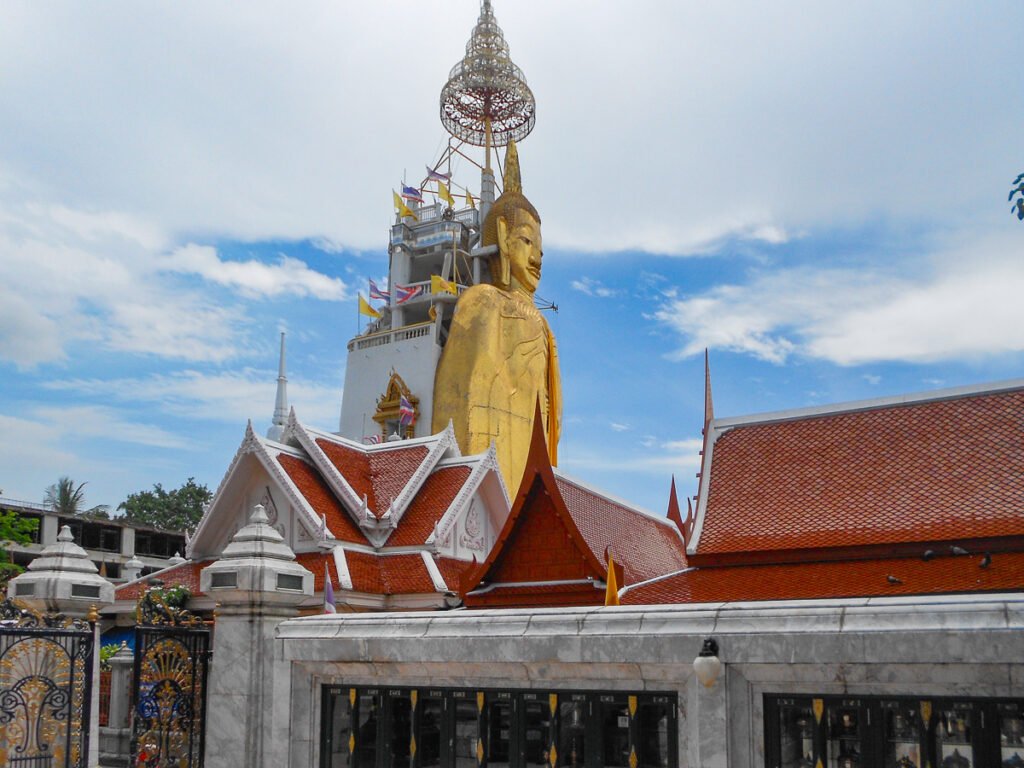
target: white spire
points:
(281, 404)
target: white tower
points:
(486, 103)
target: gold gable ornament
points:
(388, 414)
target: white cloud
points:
(230, 397)
(592, 287)
(961, 303)
(71, 276)
(673, 456)
(254, 278)
(617, 427)
(729, 121)
(97, 421)
(872, 379)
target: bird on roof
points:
(958, 550)
(893, 580)
(986, 561)
(929, 554)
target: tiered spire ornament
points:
(486, 101)
(281, 403)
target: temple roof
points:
(922, 494)
(554, 545)
(880, 577)
(943, 467)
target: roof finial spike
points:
(709, 406)
(276, 430)
(513, 176)
(673, 508)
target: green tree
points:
(175, 510)
(13, 529)
(1018, 191)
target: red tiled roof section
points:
(320, 497)
(643, 546)
(186, 574)
(934, 471)
(379, 475)
(541, 547)
(314, 563)
(851, 578)
(429, 505)
(389, 574)
(452, 570)
(537, 596)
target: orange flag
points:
(611, 592)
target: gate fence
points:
(45, 688)
(172, 652)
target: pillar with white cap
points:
(257, 585)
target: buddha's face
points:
(524, 253)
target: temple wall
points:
(968, 646)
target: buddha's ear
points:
(506, 269)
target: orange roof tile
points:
(537, 596)
(850, 578)
(452, 570)
(186, 574)
(378, 475)
(389, 574)
(321, 498)
(643, 546)
(428, 506)
(928, 471)
(314, 563)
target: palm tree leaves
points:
(64, 497)
(1018, 189)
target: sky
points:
(814, 191)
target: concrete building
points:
(121, 549)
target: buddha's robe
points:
(499, 360)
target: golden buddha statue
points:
(501, 359)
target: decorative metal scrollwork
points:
(155, 610)
(45, 684)
(16, 614)
(170, 693)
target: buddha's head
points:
(513, 224)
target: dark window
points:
(400, 732)
(367, 720)
(155, 544)
(614, 731)
(91, 535)
(464, 728)
(795, 722)
(498, 716)
(337, 727)
(656, 737)
(429, 730)
(537, 721)
(572, 730)
(467, 729)
(892, 732)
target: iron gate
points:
(45, 688)
(169, 719)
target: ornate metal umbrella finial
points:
(486, 90)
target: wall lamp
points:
(707, 665)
